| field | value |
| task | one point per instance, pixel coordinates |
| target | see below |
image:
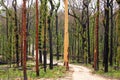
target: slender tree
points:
(14, 3)
(24, 38)
(40, 31)
(21, 36)
(45, 34)
(66, 42)
(111, 35)
(106, 37)
(96, 51)
(37, 66)
(50, 33)
(84, 30)
(56, 16)
(88, 32)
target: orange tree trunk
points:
(66, 41)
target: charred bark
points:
(106, 37)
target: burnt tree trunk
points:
(111, 36)
(57, 36)
(16, 33)
(106, 39)
(40, 35)
(88, 35)
(50, 34)
(56, 16)
(45, 37)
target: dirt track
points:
(83, 73)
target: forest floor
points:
(76, 72)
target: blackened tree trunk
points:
(50, 34)
(84, 30)
(33, 43)
(56, 15)
(57, 37)
(88, 35)
(50, 43)
(24, 39)
(57, 49)
(40, 42)
(27, 27)
(45, 35)
(40, 32)
(45, 48)
(106, 39)
(96, 51)
(16, 33)
(111, 35)
(78, 55)
(83, 40)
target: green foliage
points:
(58, 71)
(111, 74)
(10, 73)
(118, 22)
(118, 54)
(118, 35)
(60, 42)
(13, 73)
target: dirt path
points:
(78, 73)
(83, 73)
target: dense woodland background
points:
(94, 33)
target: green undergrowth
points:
(58, 71)
(13, 73)
(110, 74)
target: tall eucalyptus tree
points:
(111, 34)
(24, 38)
(106, 37)
(66, 39)
(37, 64)
(96, 50)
